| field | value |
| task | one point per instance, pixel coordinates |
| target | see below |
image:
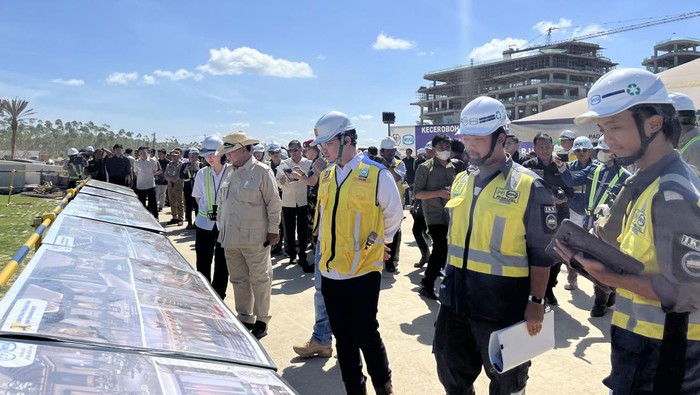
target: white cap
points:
(421, 151)
(618, 90)
(274, 147)
(193, 151)
(72, 151)
(89, 149)
(209, 145)
(429, 145)
(259, 148)
(582, 142)
(482, 116)
(330, 125)
(567, 134)
(387, 143)
(601, 144)
(682, 102)
(284, 154)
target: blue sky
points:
(187, 69)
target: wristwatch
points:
(535, 299)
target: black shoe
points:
(308, 268)
(611, 299)
(172, 221)
(551, 300)
(190, 226)
(248, 326)
(259, 330)
(427, 292)
(599, 310)
(390, 267)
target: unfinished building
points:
(526, 85)
(671, 53)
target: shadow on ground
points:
(324, 382)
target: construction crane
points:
(660, 21)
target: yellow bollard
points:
(12, 185)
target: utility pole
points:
(154, 140)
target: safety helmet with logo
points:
(210, 144)
(72, 151)
(682, 102)
(429, 145)
(89, 149)
(620, 90)
(582, 142)
(567, 134)
(482, 116)
(601, 144)
(274, 148)
(259, 148)
(387, 143)
(330, 125)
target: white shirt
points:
(294, 194)
(144, 173)
(199, 192)
(389, 201)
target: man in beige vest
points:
(248, 224)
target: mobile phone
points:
(563, 157)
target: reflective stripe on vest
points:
(634, 312)
(75, 171)
(690, 142)
(209, 192)
(497, 237)
(350, 213)
(592, 203)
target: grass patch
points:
(16, 226)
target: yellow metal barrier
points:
(15, 171)
(33, 240)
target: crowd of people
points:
(483, 214)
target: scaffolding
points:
(526, 85)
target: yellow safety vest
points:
(690, 142)
(493, 221)
(400, 184)
(592, 202)
(350, 213)
(634, 312)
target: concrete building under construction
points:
(671, 53)
(528, 84)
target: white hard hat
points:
(682, 102)
(618, 90)
(482, 116)
(421, 151)
(567, 134)
(387, 143)
(602, 144)
(89, 149)
(330, 125)
(72, 151)
(193, 151)
(259, 148)
(210, 144)
(274, 147)
(582, 142)
(284, 154)
(429, 145)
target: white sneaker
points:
(571, 286)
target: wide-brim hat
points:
(234, 141)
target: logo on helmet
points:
(473, 121)
(633, 89)
(498, 115)
(595, 100)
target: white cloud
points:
(385, 42)
(542, 26)
(249, 60)
(240, 125)
(122, 78)
(320, 57)
(589, 29)
(149, 80)
(70, 82)
(178, 75)
(494, 48)
(362, 117)
(425, 53)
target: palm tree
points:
(14, 110)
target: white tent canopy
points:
(684, 79)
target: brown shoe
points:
(310, 349)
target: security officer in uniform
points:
(655, 331)
(689, 141)
(501, 218)
(359, 211)
(397, 168)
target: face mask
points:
(605, 157)
(443, 155)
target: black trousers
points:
(117, 180)
(206, 247)
(461, 348)
(190, 203)
(395, 249)
(418, 229)
(352, 311)
(150, 196)
(296, 221)
(438, 256)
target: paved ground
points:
(577, 365)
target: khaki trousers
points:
(175, 199)
(250, 271)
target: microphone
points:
(371, 239)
